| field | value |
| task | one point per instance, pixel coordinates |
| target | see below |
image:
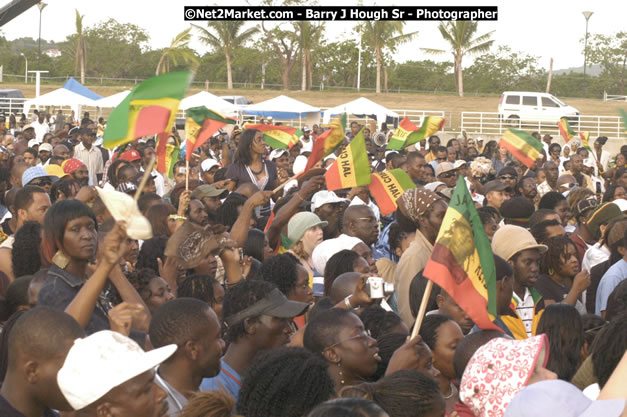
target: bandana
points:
(417, 202)
(71, 165)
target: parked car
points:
(524, 106)
(237, 100)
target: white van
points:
(525, 106)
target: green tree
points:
(176, 52)
(380, 35)
(461, 37)
(611, 53)
(226, 36)
(427, 76)
(310, 36)
(80, 54)
(495, 72)
(285, 44)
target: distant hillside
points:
(590, 70)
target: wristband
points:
(347, 303)
(177, 217)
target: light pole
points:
(585, 51)
(41, 6)
(26, 69)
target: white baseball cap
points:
(208, 163)
(45, 147)
(33, 142)
(277, 153)
(323, 197)
(102, 361)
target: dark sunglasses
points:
(41, 183)
(507, 177)
(447, 174)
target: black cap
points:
(517, 211)
(507, 171)
(601, 139)
(274, 304)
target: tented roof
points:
(281, 107)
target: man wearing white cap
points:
(208, 169)
(328, 206)
(45, 150)
(306, 140)
(108, 374)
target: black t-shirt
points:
(7, 410)
(550, 290)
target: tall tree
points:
(310, 36)
(611, 53)
(380, 35)
(178, 50)
(285, 45)
(80, 54)
(461, 37)
(226, 36)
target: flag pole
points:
(142, 184)
(423, 308)
(283, 184)
(186, 174)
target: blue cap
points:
(34, 173)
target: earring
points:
(60, 259)
(339, 365)
(551, 271)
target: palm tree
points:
(178, 50)
(459, 34)
(80, 55)
(310, 36)
(228, 36)
(382, 34)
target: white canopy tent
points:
(284, 108)
(60, 97)
(362, 107)
(112, 101)
(210, 101)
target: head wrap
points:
(417, 201)
(71, 165)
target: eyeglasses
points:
(363, 335)
(447, 174)
(41, 183)
(569, 185)
(507, 177)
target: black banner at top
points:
(340, 13)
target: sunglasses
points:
(41, 183)
(569, 185)
(507, 177)
(447, 174)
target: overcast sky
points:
(542, 28)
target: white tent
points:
(283, 107)
(210, 101)
(60, 97)
(112, 101)
(362, 107)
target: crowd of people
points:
(245, 298)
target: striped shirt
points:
(524, 308)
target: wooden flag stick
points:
(283, 184)
(423, 309)
(147, 174)
(186, 174)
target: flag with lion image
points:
(462, 262)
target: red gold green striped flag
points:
(584, 140)
(387, 186)
(167, 154)
(462, 262)
(277, 137)
(148, 110)
(200, 124)
(522, 146)
(430, 126)
(327, 142)
(352, 167)
(403, 131)
(565, 130)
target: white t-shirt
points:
(307, 146)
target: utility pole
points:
(41, 6)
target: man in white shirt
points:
(90, 155)
(601, 157)
(40, 126)
(306, 140)
(147, 154)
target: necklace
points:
(263, 165)
(446, 397)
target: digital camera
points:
(376, 287)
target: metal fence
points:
(483, 123)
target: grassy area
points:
(330, 98)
